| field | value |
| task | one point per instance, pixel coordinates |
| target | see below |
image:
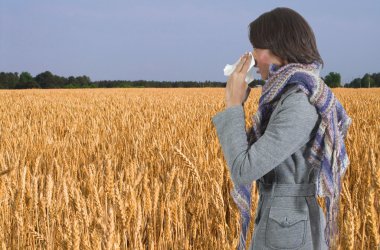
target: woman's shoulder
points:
(294, 99)
(293, 91)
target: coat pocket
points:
(286, 228)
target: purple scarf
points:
(328, 150)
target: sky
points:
(172, 40)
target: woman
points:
(295, 149)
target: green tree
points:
(333, 79)
(26, 77)
(367, 81)
(83, 81)
(376, 79)
(356, 83)
(27, 85)
(26, 81)
(8, 80)
(45, 79)
(49, 80)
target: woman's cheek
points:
(265, 58)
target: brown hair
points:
(286, 34)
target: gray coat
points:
(286, 218)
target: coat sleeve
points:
(286, 132)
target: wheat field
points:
(143, 169)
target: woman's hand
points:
(237, 90)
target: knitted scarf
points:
(328, 150)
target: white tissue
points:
(228, 69)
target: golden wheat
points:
(143, 168)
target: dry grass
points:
(143, 168)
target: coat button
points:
(286, 222)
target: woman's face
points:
(264, 57)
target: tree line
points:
(47, 80)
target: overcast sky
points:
(172, 39)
